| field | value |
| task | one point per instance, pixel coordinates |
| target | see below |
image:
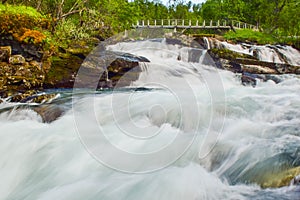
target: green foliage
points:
(73, 20)
(281, 17)
(247, 35)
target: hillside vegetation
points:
(64, 21)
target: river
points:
(183, 130)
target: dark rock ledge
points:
(250, 67)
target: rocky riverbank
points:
(252, 61)
(25, 69)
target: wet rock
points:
(229, 60)
(113, 55)
(43, 98)
(284, 178)
(23, 97)
(229, 65)
(248, 79)
(49, 113)
(276, 79)
(17, 60)
(5, 53)
(295, 180)
(257, 69)
(101, 69)
(31, 96)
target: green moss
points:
(62, 69)
(201, 35)
(228, 54)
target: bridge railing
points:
(242, 25)
(186, 23)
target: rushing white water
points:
(267, 53)
(238, 133)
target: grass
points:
(247, 35)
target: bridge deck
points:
(192, 24)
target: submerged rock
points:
(281, 179)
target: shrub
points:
(25, 24)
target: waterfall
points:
(207, 43)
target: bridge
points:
(192, 24)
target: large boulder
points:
(100, 69)
(49, 113)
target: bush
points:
(25, 24)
